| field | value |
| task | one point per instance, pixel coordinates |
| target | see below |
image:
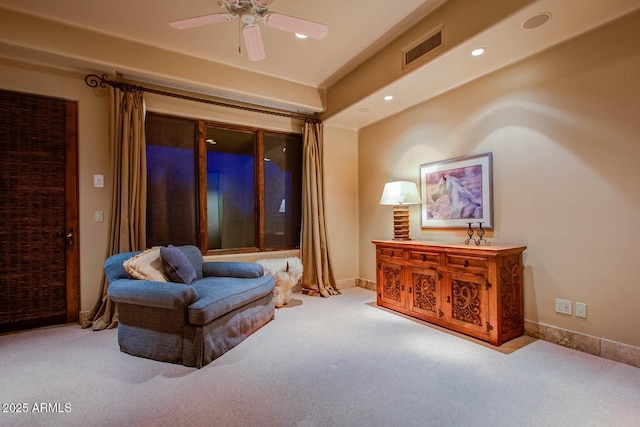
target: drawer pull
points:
(424, 257)
(466, 263)
(392, 254)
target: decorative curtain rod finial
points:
(94, 80)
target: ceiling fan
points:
(250, 12)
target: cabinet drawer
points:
(464, 261)
(392, 253)
(426, 257)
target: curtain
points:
(317, 277)
(127, 230)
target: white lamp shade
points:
(400, 193)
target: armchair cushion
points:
(221, 295)
(176, 265)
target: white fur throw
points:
(286, 272)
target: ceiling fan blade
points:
(253, 42)
(295, 25)
(214, 18)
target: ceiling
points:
(354, 26)
(357, 29)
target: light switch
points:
(98, 181)
(99, 216)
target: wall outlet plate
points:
(581, 310)
(98, 181)
(563, 306)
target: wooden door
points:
(39, 211)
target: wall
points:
(563, 129)
(341, 200)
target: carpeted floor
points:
(340, 361)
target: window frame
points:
(200, 160)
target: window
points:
(283, 189)
(206, 188)
(171, 181)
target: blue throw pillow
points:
(176, 265)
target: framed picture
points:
(456, 192)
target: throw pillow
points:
(146, 266)
(176, 265)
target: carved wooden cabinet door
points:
(425, 293)
(391, 288)
(467, 301)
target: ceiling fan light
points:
(253, 42)
(295, 25)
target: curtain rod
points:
(93, 80)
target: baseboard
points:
(601, 347)
(366, 284)
(346, 283)
(82, 316)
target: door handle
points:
(68, 238)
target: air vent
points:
(422, 48)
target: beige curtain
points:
(127, 231)
(317, 277)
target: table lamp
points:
(400, 194)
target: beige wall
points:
(341, 199)
(563, 129)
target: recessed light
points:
(478, 51)
(211, 141)
(364, 110)
(301, 36)
(536, 21)
(388, 98)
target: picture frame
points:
(456, 192)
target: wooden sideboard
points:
(475, 290)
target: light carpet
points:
(340, 361)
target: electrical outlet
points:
(563, 306)
(581, 310)
(99, 217)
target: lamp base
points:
(401, 222)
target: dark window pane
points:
(171, 181)
(231, 201)
(282, 188)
